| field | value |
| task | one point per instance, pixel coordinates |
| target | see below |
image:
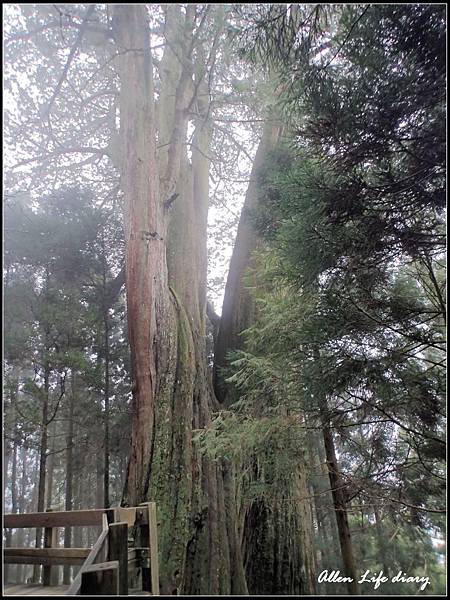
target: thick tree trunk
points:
(146, 270)
(278, 542)
(171, 393)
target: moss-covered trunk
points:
(277, 541)
(165, 217)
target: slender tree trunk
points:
(22, 508)
(7, 452)
(317, 487)
(99, 479)
(381, 538)
(106, 396)
(8, 537)
(69, 474)
(50, 466)
(77, 498)
(333, 549)
(340, 505)
(49, 496)
(106, 387)
(43, 448)
(100, 442)
(323, 500)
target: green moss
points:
(171, 482)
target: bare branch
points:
(70, 58)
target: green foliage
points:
(61, 255)
(351, 302)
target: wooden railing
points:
(124, 557)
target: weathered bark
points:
(166, 302)
(144, 227)
(278, 541)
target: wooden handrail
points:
(67, 518)
(46, 556)
(75, 518)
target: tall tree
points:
(355, 207)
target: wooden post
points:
(100, 579)
(50, 541)
(118, 551)
(154, 564)
(144, 542)
(149, 539)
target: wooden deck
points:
(21, 589)
(15, 589)
(122, 561)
